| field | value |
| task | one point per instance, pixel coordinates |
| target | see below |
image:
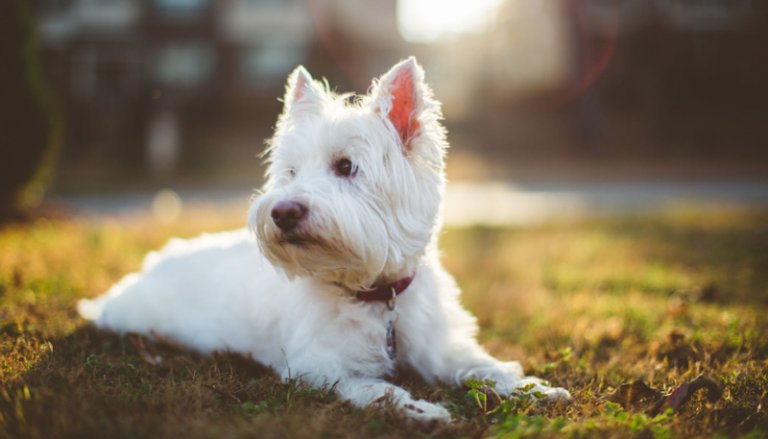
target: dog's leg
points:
(333, 366)
(442, 346)
(472, 362)
(367, 391)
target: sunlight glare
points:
(166, 206)
(425, 21)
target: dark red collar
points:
(383, 293)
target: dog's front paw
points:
(557, 394)
(533, 385)
(424, 411)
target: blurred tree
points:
(30, 127)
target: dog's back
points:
(197, 292)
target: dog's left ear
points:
(401, 97)
(303, 95)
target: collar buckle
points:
(386, 293)
(392, 301)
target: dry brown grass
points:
(589, 306)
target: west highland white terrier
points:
(343, 281)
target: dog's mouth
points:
(296, 239)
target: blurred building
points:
(562, 77)
(681, 77)
(164, 84)
(169, 82)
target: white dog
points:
(345, 282)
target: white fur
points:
(292, 307)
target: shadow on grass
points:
(96, 384)
(729, 258)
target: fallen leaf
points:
(637, 393)
(633, 393)
(683, 393)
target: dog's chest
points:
(364, 336)
(316, 329)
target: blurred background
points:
(560, 104)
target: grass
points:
(589, 306)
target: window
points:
(268, 64)
(184, 64)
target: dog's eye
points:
(291, 172)
(344, 168)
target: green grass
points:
(589, 306)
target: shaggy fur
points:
(288, 299)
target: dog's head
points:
(355, 183)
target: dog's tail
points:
(91, 309)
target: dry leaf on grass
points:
(683, 393)
(634, 393)
(639, 393)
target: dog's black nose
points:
(288, 214)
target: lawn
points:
(622, 312)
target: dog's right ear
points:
(303, 95)
(404, 100)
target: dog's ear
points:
(303, 95)
(402, 98)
